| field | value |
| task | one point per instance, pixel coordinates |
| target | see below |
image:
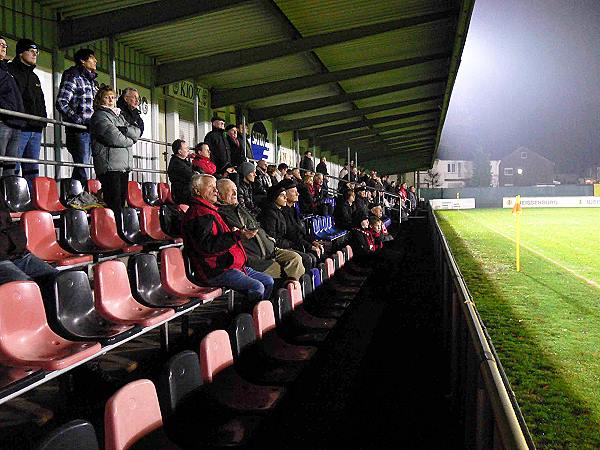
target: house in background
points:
(451, 173)
(524, 167)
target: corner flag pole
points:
(516, 211)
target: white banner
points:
(553, 202)
(452, 203)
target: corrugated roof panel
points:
(418, 92)
(80, 8)
(317, 112)
(323, 90)
(406, 109)
(320, 16)
(218, 32)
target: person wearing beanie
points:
(10, 98)
(75, 102)
(30, 87)
(180, 172)
(247, 173)
(220, 152)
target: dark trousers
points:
(114, 190)
(78, 145)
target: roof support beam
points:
(371, 155)
(244, 94)
(343, 137)
(220, 62)
(73, 32)
(287, 125)
(419, 132)
(269, 112)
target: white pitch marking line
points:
(587, 281)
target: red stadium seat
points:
(135, 198)
(164, 193)
(272, 344)
(341, 258)
(216, 360)
(349, 250)
(26, 340)
(330, 267)
(93, 186)
(41, 240)
(175, 281)
(132, 415)
(114, 301)
(150, 224)
(45, 195)
(104, 232)
(302, 317)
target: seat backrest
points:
(104, 229)
(73, 300)
(150, 223)
(130, 224)
(69, 187)
(315, 225)
(179, 376)
(39, 229)
(330, 268)
(215, 354)
(324, 272)
(75, 230)
(164, 193)
(130, 414)
(264, 317)
(171, 218)
(45, 194)
(350, 254)
(316, 277)
(340, 258)
(295, 291)
(172, 266)
(306, 282)
(15, 192)
(135, 199)
(336, 261)
(150, 193)
(242, 333)
(93, 186)
(111, 283)
(283, 305)
(144, 277)
(79, 434)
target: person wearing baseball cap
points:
(220, 152)
(21, 68)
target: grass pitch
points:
(545, 320)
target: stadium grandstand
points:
(206, 241)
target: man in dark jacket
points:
(344, 212)
(246, 188)
(361, 203)
(30, 87)
(235, 145)
(180, 172)
(308, 163)
(262, 253)
(322, 166)
(10, 127)
(216, 252)
(129, 103)
(220, 153)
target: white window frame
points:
(523, 155)
(508, 172)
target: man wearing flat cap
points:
(30, 87)
(220, 152)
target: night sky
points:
(530, 76)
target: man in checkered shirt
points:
(75, 102)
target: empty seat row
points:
(323, 227)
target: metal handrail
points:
(507, 415)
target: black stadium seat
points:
(69, 187)
(130, 228)
(16, 195)
(150, 193)
(76, 434)
(74, 232)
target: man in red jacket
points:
(202, 161)
(216, 252)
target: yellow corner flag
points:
(517, 211)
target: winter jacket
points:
(220, 153)
(75, 99)
(322, 168)
(133, 116)
(236, 151)
(260, 249)
(295, 230)
(273, 222)
(211, 245)
(203, 164)
(112, 139)
(365, 241)
(13, 241)
(10, 98)
(180, 173)
(343, 215)
(361, 210)
(305, 200)
(246, 197)
(30, 88)
(263, 181)
(307, 164)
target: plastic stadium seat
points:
(316, 304)
(135, 199)
(45, 195)
(93, 186)
(350, 253)
(341, 258)
(271, 344)
(132, 415)
(150, 224)
(330, 267)
(130, 228)
(175, 281)
(16, 195)
(336, 261)
(324, 272)
(289, 327)
(74, 232)
(69, 187)
(72, 313)
(251, 362)
(150, 193)
(41, 240)
(104, 232)
(301, 316)
(114, 301)
(316, 277)
(190, 418)
(228, 387)
(147, 289)
(26, 340)
(76, 434)
(170, 218)
(164, 193)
